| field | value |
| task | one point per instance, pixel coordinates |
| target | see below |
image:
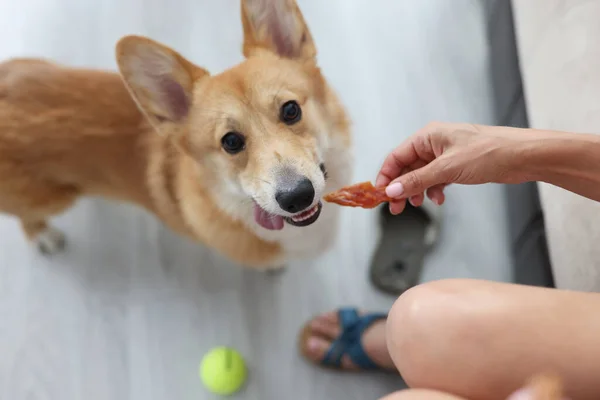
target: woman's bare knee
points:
(418, 325)
(482, 340)
(433, 325)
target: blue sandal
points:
(349, 342)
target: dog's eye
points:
(233, 142)
(290, 113)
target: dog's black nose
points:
(297, 197)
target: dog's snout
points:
(297, 196)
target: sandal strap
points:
(349, 342)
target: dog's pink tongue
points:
(267, 220)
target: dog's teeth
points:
(307, 215)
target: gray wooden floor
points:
(129, 309)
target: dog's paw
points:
(275, 271)
(50, 241)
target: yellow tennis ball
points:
(223, 371)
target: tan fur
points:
(66, 133)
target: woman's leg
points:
(483, 340)
(421, 394)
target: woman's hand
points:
(444, 153)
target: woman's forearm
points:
(568, 160)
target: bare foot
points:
(326, 328)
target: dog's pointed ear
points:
(277, 26)
(159, 79)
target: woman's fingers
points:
(397, 206)
(417, 200)
(417, 181)
(397, 161)
(436, 194)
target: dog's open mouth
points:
(275, 222)
(305, 218)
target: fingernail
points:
(522, 394)
(394, 190)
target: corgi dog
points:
(238, 160)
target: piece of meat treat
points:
(363, 195)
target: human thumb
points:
(414, 182)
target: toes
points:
(326, 326)
(331, 316)
(316, 348)
(50, 241)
